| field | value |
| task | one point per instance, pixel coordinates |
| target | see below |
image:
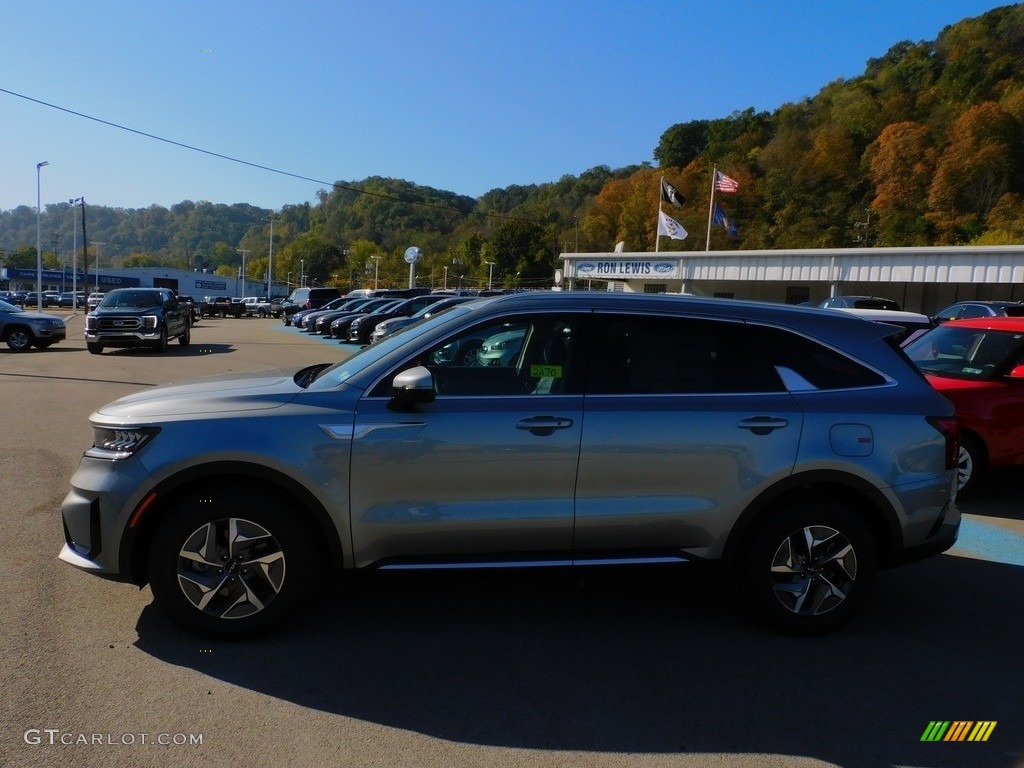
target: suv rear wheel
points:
(233, 566)
(809, 567)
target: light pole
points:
(446, 277)
(490, 274)
(93, 242)
(270, 260)
(244, 251)
(302, 273)
(74, 251)
(376, 268)
(39, 242)
(63, 266)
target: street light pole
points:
(302, 273)
(97, 259)
(63, 265)
(74, 252)
(490, 274)
(270, 260)
(244, 251)
(39, 242)
(376, 268)
(446, 277)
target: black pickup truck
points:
(221, 306)
(138, 317)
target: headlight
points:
(115, 444)
(150, 322)
(90, 322)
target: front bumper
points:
(96, 514)
(121, 338)
(51, 333)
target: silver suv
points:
(796, 445)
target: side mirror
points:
(411, 388)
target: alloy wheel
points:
(813, 570)
(231, 568)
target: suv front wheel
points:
(809, 567)
(233, 566)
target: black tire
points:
(972, 463)
(94, 347)
(161, 345)
(808, 567)
(19, 339)
(186, 336)
(261, 312)
(204, 584)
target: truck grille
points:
(119, 323)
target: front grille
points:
(119, 323)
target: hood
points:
(236, 392)
(36, 316)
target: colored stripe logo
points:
(958, 730)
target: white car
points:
(94, 300)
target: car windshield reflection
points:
(343, 371)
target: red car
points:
(978, 365)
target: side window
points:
(672, 355)
(972, 310)
(807, 365)
(519, 356)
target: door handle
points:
(763, 425)
(543, 425)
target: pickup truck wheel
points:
(161, 345)
(94, 348)
(186, 335)
(261, 312)
(232, 566)
(19, 340)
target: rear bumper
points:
(943, 536)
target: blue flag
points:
(724, 222)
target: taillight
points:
(950, 430)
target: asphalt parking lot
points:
(600, 669)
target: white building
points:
(920, 279)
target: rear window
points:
(670, 355)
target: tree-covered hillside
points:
(926, 147)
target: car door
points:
(685, 423)
(487, 470)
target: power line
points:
(258, 166)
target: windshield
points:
(367, 356)
(139, 299)
(967, 353)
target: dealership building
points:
(182, 281)
(920, 279)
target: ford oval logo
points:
(662, 268)
(586, 266)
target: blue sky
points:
(465, 96)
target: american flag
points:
(725, 183)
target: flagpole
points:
(657, 224)
(711, 207)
